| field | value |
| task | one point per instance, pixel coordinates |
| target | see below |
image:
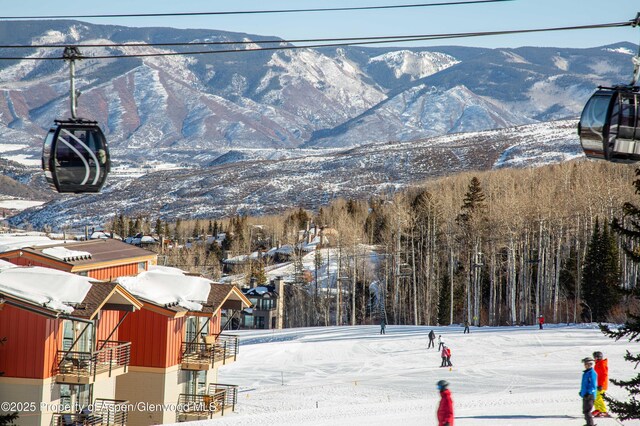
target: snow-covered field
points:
(354, 376)
(16, 204)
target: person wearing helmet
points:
(588, 389)
(445, 409)
(602, 370)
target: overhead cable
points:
(252, 12)
(319, 43)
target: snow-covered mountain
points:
(261, 181)
(178, 107)
(208, 135)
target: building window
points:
(196, 383)
(248, 321)
(83, 274)
(142, 266)
(76, 396)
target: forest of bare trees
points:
(494, 248)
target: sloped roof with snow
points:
(108, 250)
(51, 288)
(168, 287)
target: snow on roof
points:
(6, 265)
(144, 239)
(65, 254)
(54, 289)
(15, 242)
(101, 235)
(169, 286)
(285, 249)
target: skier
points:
(588, 389)
(432, 337)
(445, 409)
(440, 342)
(448, 356)
(383, 325)
(443, 355)
(540, 321)
(602, 370)
(466, 327)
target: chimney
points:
(280, 303)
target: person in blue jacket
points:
(588, 389)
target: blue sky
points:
(517, 14)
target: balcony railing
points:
(198, 407)
(230, 397)
(83, 367)
(107, 412)
(202, 356)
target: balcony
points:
(219, 398)
(109, 412)
(216, 351)
(74, 367)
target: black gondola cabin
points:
(75, 157)
(609, 127)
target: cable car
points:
(609, 126)
(75, 156)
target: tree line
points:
(492, 248)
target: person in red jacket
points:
(445, 409)
(540, 321)
(602, 370)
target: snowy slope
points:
(508, 376)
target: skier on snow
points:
(445, 409)
(602, 370)
(432, 337)
(588, 389)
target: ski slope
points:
(354, 376)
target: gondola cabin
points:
(75, 157)
(609, 127)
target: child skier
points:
(602, 370)
(588, 389)
(443, 355)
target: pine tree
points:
(601, 274)
(196, 229)
(258, 273)
(630, 230)
(474, 201)
(629, 409)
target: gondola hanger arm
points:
(72, 54)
